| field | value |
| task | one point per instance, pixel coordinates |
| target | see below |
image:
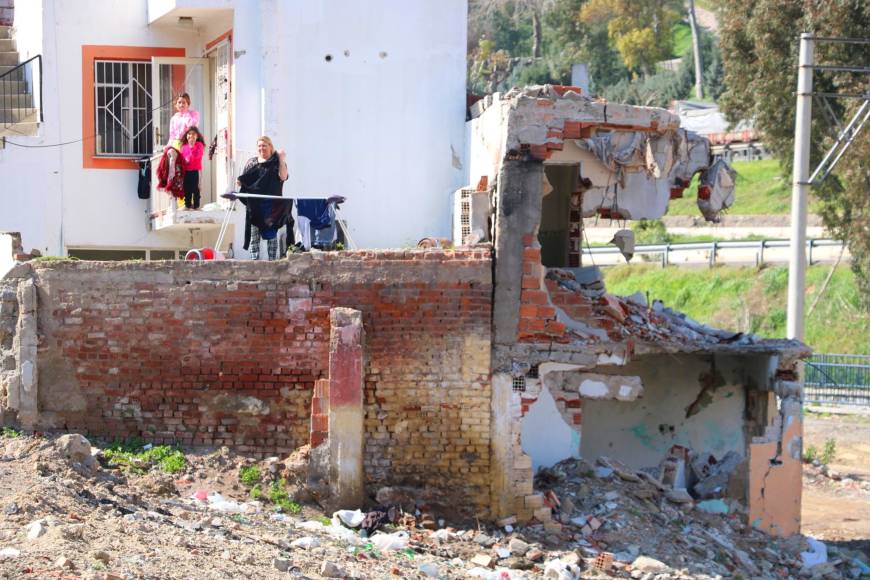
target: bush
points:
(278, 495)
(650, 232)
(9, 433)
(250, 475)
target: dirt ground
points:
(836, 506)
(73, 512)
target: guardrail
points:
(841, 379)
(714, 249)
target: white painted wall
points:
(7, 260)
(382, 123)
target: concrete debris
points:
(647, 564)
(35, 530)
(716, 482)
(716, 190)
(679, 495)
(77, 450)
(624, 240)
(331, 570)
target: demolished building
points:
(453, 374)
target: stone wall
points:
(210, 354)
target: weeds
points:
(825, 456)
(278, 495)
(250, 475)
(829, 452)
(9, 433)
(132, 456)
(256, 492)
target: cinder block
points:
(543, 514)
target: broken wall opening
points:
(557, 229)
(686, 401)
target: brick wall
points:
(228, 354)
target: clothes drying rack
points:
(233, 196)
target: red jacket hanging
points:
(176, 187)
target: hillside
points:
(752, 300)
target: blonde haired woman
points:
(264, 174)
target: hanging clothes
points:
(143, 189)
(176, 186)
(266, 214)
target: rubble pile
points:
(818, 473)
(66, 512)
(655, 323)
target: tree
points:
(759, 41)
(639, 29)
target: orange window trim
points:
(91, 53)
(216, 41)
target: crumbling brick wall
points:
(228, 354)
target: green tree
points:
(639, 29)
(759, 41)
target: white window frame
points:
(105, 144)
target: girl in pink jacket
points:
(191, 153)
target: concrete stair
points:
(17, 115)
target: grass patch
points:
(761, 190)
(277, 494)
(751, 300)
(54, 259)
(133, 457)
(9, 433)
(250, 475)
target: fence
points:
(757, 252)
(842, 379)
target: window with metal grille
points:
(519, 384)
(123, 103)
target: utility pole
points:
(797, 270)
(696, 51)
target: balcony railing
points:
(21, 98)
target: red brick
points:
(533, 254)
(531, 282)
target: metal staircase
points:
(20, 90)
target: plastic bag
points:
(386, 542)
(219, 503)
(817, 554)
(351, 519)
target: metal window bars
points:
(123, 108)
